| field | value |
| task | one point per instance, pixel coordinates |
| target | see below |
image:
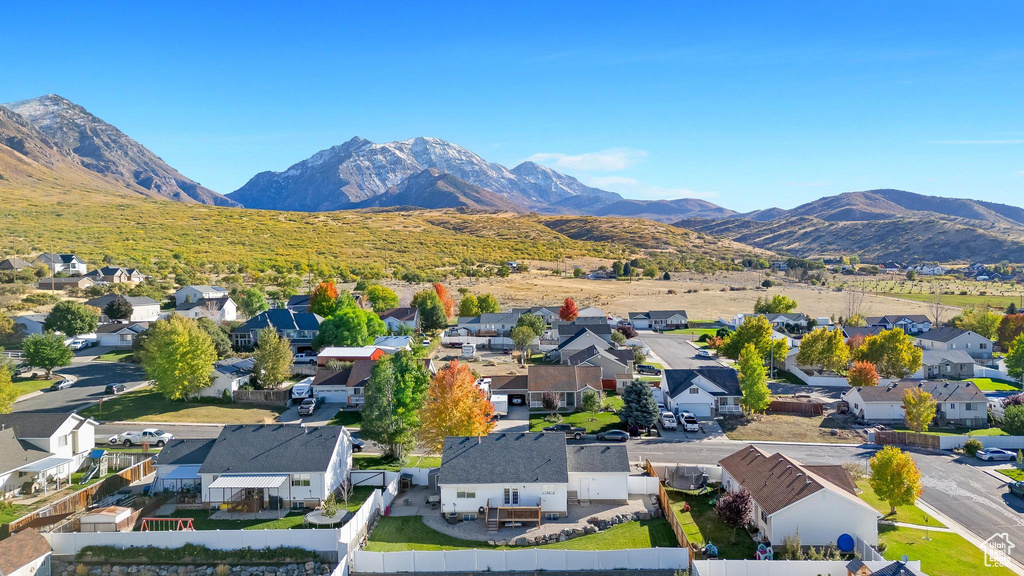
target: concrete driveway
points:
(320, 417)
(518, 420)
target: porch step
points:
(572, 497)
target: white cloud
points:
(632, 188)
(609, 160)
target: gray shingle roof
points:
(504, 458)
(941, 391)
(15, 454)
(599, 328)
(933, 357)
(102, 301)
(275, 448)
(896, 318)
(680, 380)
(281, 319)
(212, 303)
(597, 458)
(944, 334)
(663, 314)
(185, 451)
(34, 424)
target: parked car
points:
(23, 370)
(613, 436)
(115, 388)
(304, 358)
(61, 384)
(517, 400)
(995, 454)
(661, 407)
(647, 369)
(690, 423)
(668, 420)
(307, 407)
(570, 431)
(1017, 488)
(358, 445)
(152, 436)
(705, 353)
(77, 344)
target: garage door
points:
(333, 396)
(698, 410)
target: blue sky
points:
(748, 105)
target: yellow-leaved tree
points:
(454, 406)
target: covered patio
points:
(49, 474)
(241, 496)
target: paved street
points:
(674, 351)
(90, 380)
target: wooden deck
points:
(501, 515)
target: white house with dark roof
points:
(35, 445)
(526, 476)
(117, 275)
(229, 375)
(490, 324)
(198, 292)
(659, 319)
(548, 313)
(397, 319)
(949, 338)
(909, 323)
(177, 464)
(120, 335)
(219, 310)
(615, 364)
(819, 502)
(707, 391)
(144, 308)
(582, 339)
(960, 403)
(67, 263)
(25, 553)
(29, 324)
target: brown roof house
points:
(819, 502)
(25, 553)
(567, 382)
(343, 386)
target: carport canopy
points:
(46, 464)
(184, 473)
(250, 481)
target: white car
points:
(994, 454)
(690, 423)
(77, 344)
(150, 436)
(668, 420)
(304, 358)
(705, 353)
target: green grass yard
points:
(116, 356)
(401, 533)
(944, 554)
(201, 521)
(702, 525)
(959, 431)
(148, 405)
(348, 418)
(906, 514)
(377, 462)
(991, 385)
(695, 332)
(1014, 474)
(602, 421)
(28, 385)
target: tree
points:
(862, 374)
(754, 330)
(446, 299)
(638, 355)
(393, 398)
(350, 327)
(7, 392)
(1015, 358)
(221, 343)
(272, 361)
(618, 268)
(892, 352)
(1013, 420)
(825, 348)
(468, 306)
(6, 326)
(627, 270)
(627, 331)
(618, 338)
(1010, 326)
(592, 401)
(857, 321)
(734, 509)
(381, 298)
(178, 356)
(252, 301)
(550, 401)
(432, 313)
(522, 337)
(119, 309)
(534, 322)
(488, 304)
(46, 351)
(984, 322)
(568, 312)
(71, 319)
(638, 405)
(895, 478)
(778, 304)
(918, 408)
(667, 276)
(454, 406)
(323, 301)
(753, 378)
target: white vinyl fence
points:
(382, 478)
(1006, 442)
(643, 484)
(986, 372)
(785, 567)
(324, 541)
(526, 560)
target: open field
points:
(958, 292)
(787, 428)
(147, 405)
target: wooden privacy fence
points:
(80, 500)
(269, 397)
(889, 438)
(670, 515)
(798, 408)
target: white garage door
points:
(698, 410)
(333, 396)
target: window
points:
(983, 345)
(551, 516)
(512, 496)
(694, 390)
(764, 517)
(465, 494)
(126, 338)
(62, 441)
(469, 516)
(298, 505)
(357, 391)
(969, 406)
(300, 479)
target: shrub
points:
(971, 446)
(1013, 420)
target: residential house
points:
(219, 310)
(658, 320)
(343, 386)
(120, 335)
(177, 465)
(616, 364)
(25, 553)
(865, 331)
(67, 283)
(298, 303)
(400, 319)
(945, 364)
(707, 392)
(931, 270)
(958, 403)
(348, 354)
(14, 264)
(792, 322)
(909, 323)
(42, 445)
(491, 324)
(949, 338)
(567, 382)
(581, 339)
(251, 468)
(548, 313)
(599, 275)
(29, 324)
(526, 477)
(116, 275)
(144, 308)
(228, 376)
(789, 497)
(298, 327)
(640, 320)
(392, 344)
(63, 263)
(591, 312)
(891, 267)
(199, 292)
(568, 330)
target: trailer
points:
(500, 403)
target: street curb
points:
(142, 423)
(835, 444)
(37, 392)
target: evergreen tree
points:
(638, 405)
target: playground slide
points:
(92, 472)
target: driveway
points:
(320, 417)
(518, 420)
(674, 351)
(91, 378)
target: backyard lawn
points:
(613, 400)
(201, 521)
(116, 356)
(906, 514)
(400, 533)
(28, 385)
(1014, 474)
(786, 427)
(702, 525)
(995, 385)
(149, 405)
(602, 421)
(958, 431)
(348, 418)
(945, 554)
(359, 495)
(377, 462)
(695, 332)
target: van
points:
(668, 420)
(468, 350)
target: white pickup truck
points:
(150, 436)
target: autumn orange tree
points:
(323, 300)
(446, 299)
(568, 312)
(454, 406)
(862, 374)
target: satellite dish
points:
(845, 543)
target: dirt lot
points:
(541, 287)
(784, 427)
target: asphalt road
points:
(674, 351)
(90, 380)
